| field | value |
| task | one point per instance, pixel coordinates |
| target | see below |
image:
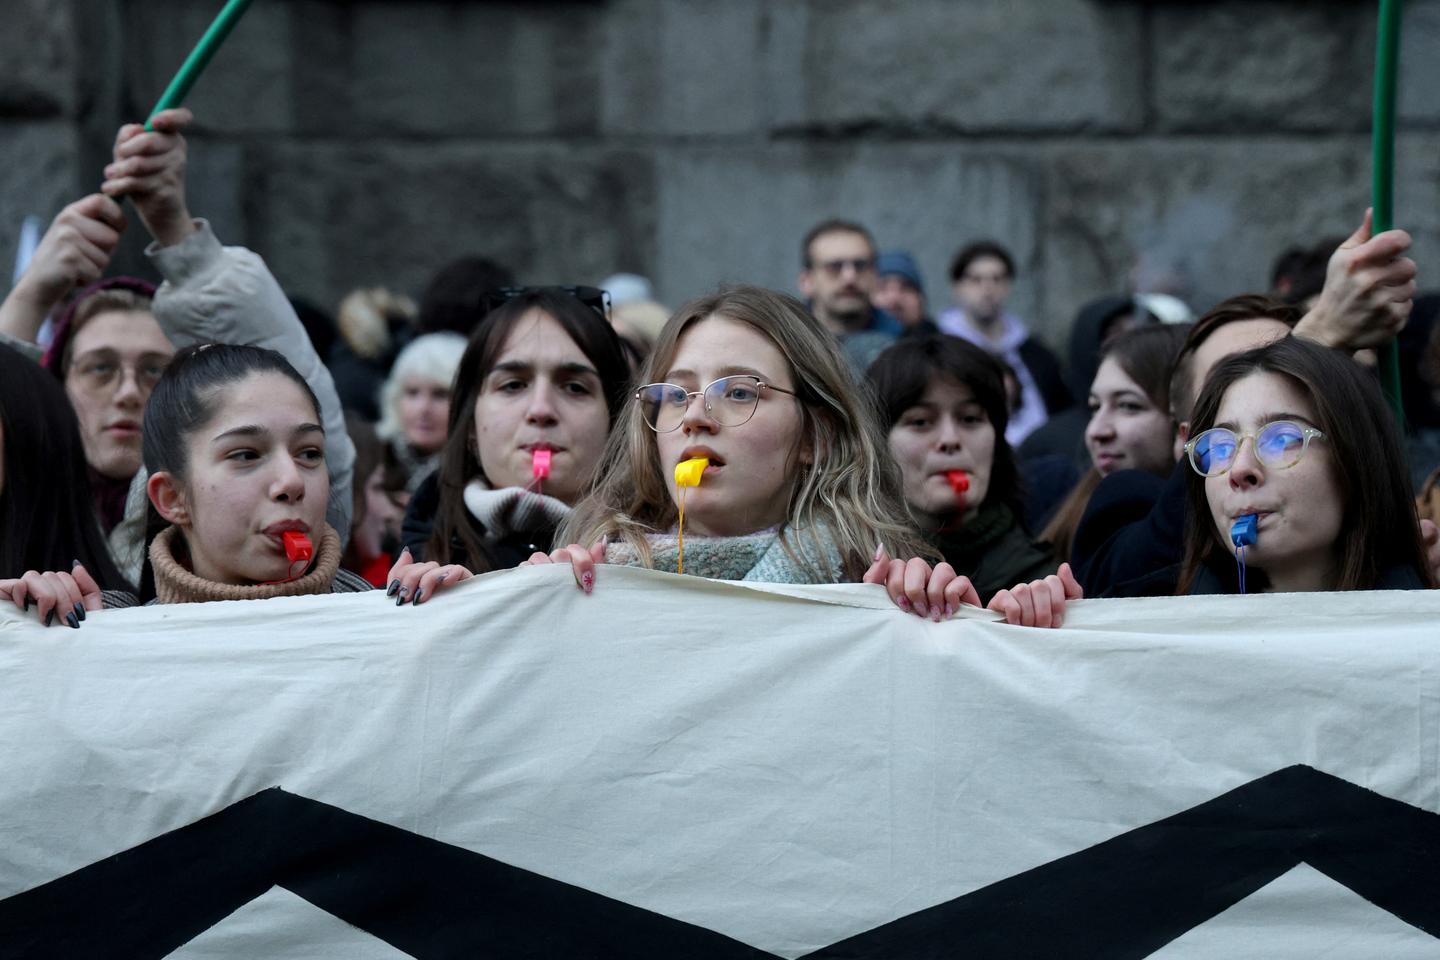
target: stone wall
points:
(366, 141)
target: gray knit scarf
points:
(759, 557)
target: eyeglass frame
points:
(836, 267)
(1307, 434)
(593, 297)
(88, 381)
(760, 387)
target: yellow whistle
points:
(688, 472)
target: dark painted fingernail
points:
(70, 619)
(80, 610)
(29, 602)
(441, 579)
(401, 596)
(418, 595)
(390, 590)
(49, 618)
(74, 564)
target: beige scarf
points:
(176, 584)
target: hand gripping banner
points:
(675, 767)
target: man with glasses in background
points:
(838, 280)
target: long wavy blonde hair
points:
(848, 498)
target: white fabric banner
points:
(687, 768)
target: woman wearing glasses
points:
(1298, 437)
(797, 489)
(540, 383)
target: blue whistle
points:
(1244, 532)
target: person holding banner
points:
(541, 381)
(47, 520)
(794, 483)
(1295, 439)
(944, 403)
(235, 454)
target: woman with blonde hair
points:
(415, 403)
(796, 485)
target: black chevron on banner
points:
(1125, 897)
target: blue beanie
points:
(899, 263)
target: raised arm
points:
(73, 253)
(216, 293)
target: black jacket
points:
(1213, 581)
(1131, 540)
(502, 553)
(995, 552)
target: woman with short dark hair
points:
(943, 405)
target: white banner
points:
(684, 768)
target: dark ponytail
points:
(188, 397)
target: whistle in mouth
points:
(959, 481)
(297, 546)
(1244, 532)
(689, 472)
(540, 464)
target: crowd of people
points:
(210, 439)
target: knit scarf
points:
(109, 496)
(513, 510)
(975, 536)
(759, 557)
(174, 583)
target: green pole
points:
(1382, 169)
(195, 64)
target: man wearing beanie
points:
(900, 292)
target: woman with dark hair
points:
(1294, 442)
(943, 403)
(1130, 425)
(539, 386)
(47, 519)
(235, 452)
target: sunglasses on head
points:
(593, 297)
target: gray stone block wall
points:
(367, 141)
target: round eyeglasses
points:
(729, 401)
(1278, 445)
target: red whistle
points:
(959, 481)
(540, 464)
(297, 546)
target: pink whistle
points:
(540, 464)
(297, 546)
